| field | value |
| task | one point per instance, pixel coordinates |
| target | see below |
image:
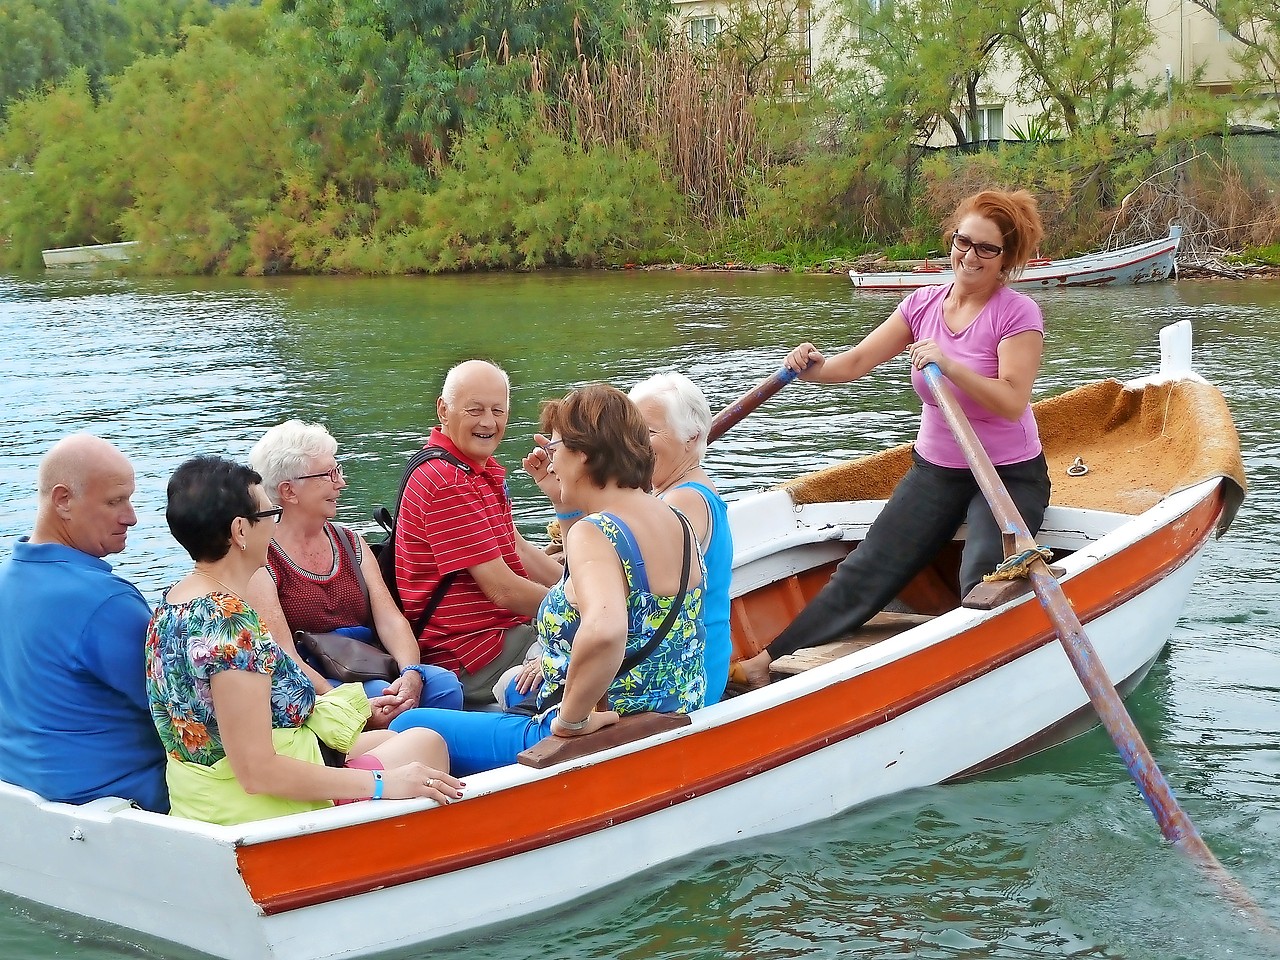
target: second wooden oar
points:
(1174, 823)
(731, 414)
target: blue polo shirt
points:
(75, 723)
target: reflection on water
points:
(1056, 857)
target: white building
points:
(1188, 38)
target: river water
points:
(1053, 857)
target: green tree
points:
(416, 72)
(1256, 24)
(41, 42)
(769, 40)
(926, 61)
(144, 28)
(65, 185)
(1079, 58)
(204, 142)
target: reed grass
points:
(693, 112)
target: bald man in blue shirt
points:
(75, 723)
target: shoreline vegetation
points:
(356, 137)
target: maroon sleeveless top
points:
(318, 602)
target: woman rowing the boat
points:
(246, 735)
(321, 576)
(988, 340)
(623, 625)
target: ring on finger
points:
(431, 783)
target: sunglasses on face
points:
(985, 251)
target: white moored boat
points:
(934, 691)
(1141, 263)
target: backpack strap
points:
(388, 520)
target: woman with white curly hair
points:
(679, 419)
(310, 583)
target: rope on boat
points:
(1017, 566)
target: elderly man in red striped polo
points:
(459, 557)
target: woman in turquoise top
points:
(621, 595)
(679, 420)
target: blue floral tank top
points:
(672, 679)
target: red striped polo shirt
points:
(451, 520)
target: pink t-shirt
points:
(1006, 313)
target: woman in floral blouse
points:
(246, 734)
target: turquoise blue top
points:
(718, 558)
(672, 679)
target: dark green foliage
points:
(338, 136)
(42, 41)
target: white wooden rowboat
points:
(1141, 263)
(88, 256)
(922, 696)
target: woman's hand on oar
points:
(750, 400)
(1174, 823)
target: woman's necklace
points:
(213, 579)
(676, 480)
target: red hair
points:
(1015, 214)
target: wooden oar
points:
(731, 414)
(1174, 823)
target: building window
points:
(702, 30)
(989, 124)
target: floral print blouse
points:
(187, 643)
(672, 679)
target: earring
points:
(242, 546)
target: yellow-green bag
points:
(213, 794)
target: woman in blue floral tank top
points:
(620, 626)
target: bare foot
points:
(752, 673)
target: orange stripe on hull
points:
(295, 872)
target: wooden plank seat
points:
(880, 627)
(634, 726)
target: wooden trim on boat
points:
(293, 872)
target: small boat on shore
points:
(938, 688)
(1148, 262)
(88, 256)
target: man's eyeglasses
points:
(985, 251)
(263, 514)
(333, 476)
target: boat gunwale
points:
(793, 693)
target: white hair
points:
(688, 413)
(287, 451)
(453, 379)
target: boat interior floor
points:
(880, 627)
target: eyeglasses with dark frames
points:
(333, 476)
(985, 251)
(274, 512)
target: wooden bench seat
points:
(880, 627)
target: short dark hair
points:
(600, 421)
(205, 495)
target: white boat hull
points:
(1148, 262)
(181, 881)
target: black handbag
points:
(344, 658)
